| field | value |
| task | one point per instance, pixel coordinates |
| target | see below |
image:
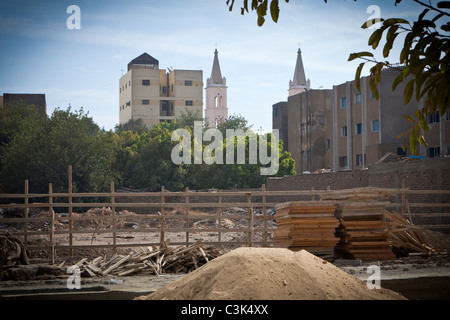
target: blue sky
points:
(39, 54)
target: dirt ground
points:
(418, 277)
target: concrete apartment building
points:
(344, 128)
(154, 95)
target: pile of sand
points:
(269, 274)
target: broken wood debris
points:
(153, 260)
(404, 234)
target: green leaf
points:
(375, 38)
(261, 21)
(443, 5)
(274, 10)
(356, 55)
(392, 21)
(373, 88)
(369, 23)
(409, 89)
(400, 77)
(423, 122)
(421, 140)
(409, 118)
(358, 76)
(413, 142)
(390, 38)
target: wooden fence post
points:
(113, 209)
(187, 214)
(264, 213)
(250, 222)
(25, 226)
(69, 176)
(219, 192)
(52, 222)
(163, 220)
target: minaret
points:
(299, 83)
(216, 95)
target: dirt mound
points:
(269, 274)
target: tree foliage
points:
(40, 149)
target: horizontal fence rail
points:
(428, 208)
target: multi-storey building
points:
(346, 128)
(155, 95)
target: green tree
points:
(133, 125)
(42, 152)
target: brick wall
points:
(429, 174)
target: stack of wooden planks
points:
(308, 225)
(363, 232)
(412, 238)
(153, 260)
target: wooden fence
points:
(257, 214)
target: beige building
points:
(344, 128)
(154, 95)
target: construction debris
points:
(151, 260)
(407, 236)
(12, 251)
(308, 225)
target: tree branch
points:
(429, 6)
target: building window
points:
(447, 115)
(164, 90)
(434, 117)
(344, 131)
(188, 83)
(358, 160)
(172, 86)
(189, 103)
(401, 152)
(276, 112)
(433, 152)
(145, 101)
(145, 82)
(358, 98)
(343, 162)
(343, 102)
(328, 144)
(358, 128)
(375, 125)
